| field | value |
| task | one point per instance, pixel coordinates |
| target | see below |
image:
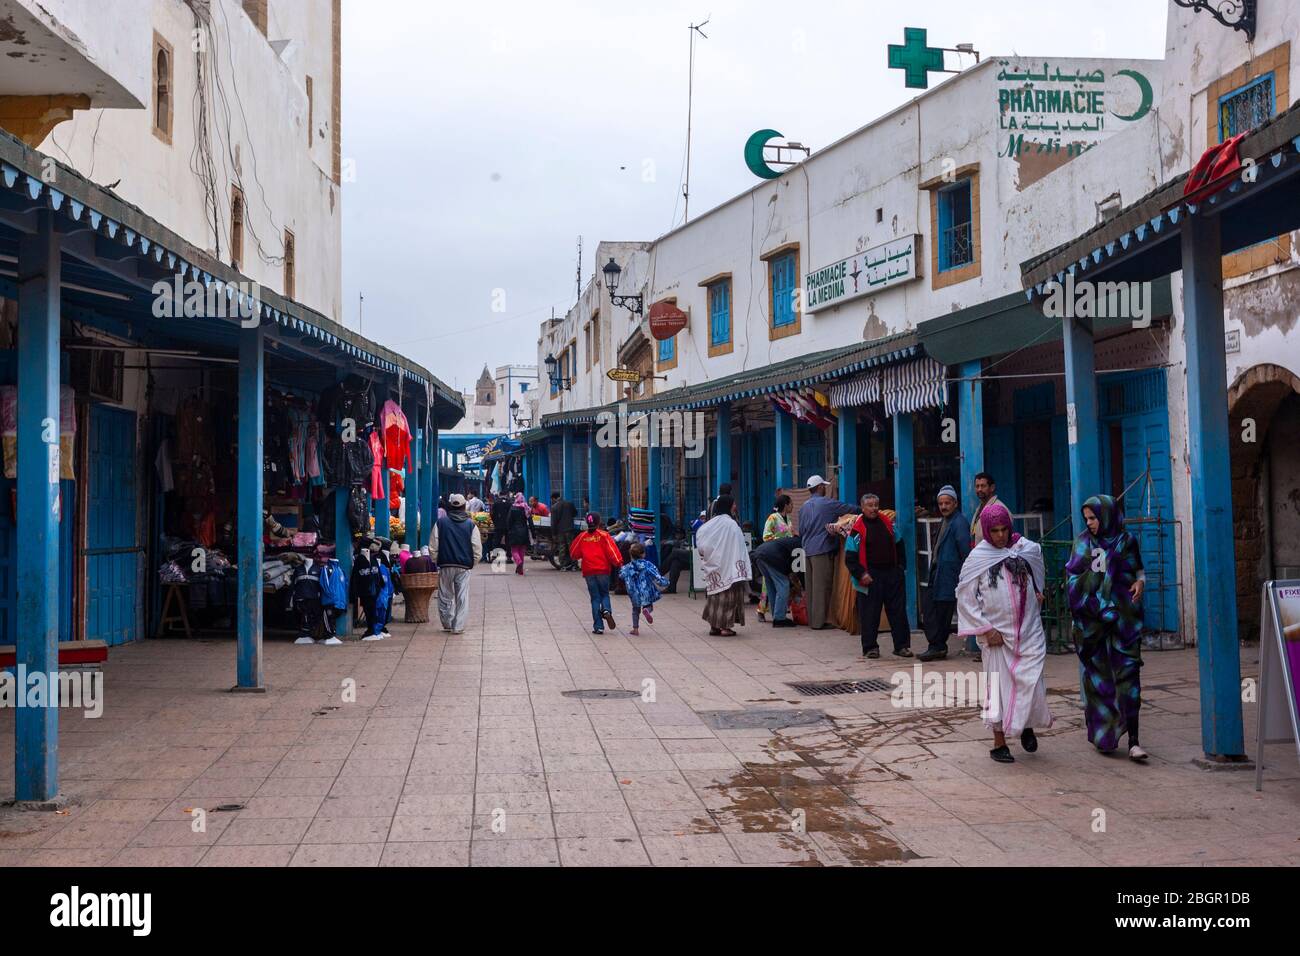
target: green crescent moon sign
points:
(1148, 96)
(754, 154)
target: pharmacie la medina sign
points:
(877, 268)
(1053, 109)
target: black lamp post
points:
(558, 382)
(633, 303)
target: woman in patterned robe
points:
(1105, 583)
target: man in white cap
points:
(819, 547)
(950, 550)
(456, 546)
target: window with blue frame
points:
(956, 241)
(1247, 107)
(719, 314)
(668, 349)
(781, 270)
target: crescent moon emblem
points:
(754, 154)
(1148, 96)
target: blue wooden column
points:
(36, 750)
(1215, 574)
(568, 481)
(905, 502)
(970, 428)
(846, 452)
(754, 507)
(652, 457)
(252, 362)
(593, 474)
(432, 489)
(342, 534)
(722, 447)
(785, 450)
(619, 455)
(412, 485)
(544, 472)
(1081, 412)
(382, 509)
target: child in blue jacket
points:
(644, 583)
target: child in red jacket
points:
(600, 558)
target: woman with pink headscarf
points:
(998, 600)
(519, 531)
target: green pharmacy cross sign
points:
(915, 58)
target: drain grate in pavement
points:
(615, 694)
(825, 688)
(759, 719)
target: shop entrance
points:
(112, 552)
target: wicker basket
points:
(418, 588)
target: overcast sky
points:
(487, 137)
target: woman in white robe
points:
(725, 562)
(998, 601)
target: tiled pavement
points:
(462, 750)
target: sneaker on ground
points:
(304, 640)
(331, 642)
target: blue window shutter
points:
(720, 313)
(782, 289)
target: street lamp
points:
(632, 303)
(522, 418)
(558, 382)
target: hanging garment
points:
(376, 466)
(358, 509)
(315, 476)
(194, 430)
(162, 463)
(397, 434)
(334, 587)
(396, 489)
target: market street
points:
(463, 750)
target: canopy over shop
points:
(1188, 229)
(182, 372)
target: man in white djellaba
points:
(999, 595)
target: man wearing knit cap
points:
(950, 550)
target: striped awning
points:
(906, 387)
(857, 391)
(912, 386)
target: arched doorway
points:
(1264, 435)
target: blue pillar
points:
(412, 485)
(36, 750)
(252, 360)
(544, 472)
(652, 456)
(1081, 417)
(433, 483)
(722, 445)
(383, 509)
(593, 474)
(905, 502)
(784, 449)
(847, 453)
(342, 535)
(1215, 573)
(753, 509)
(618, 481)
(569, 480)
(970, 427)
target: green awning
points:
(1011, 322)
